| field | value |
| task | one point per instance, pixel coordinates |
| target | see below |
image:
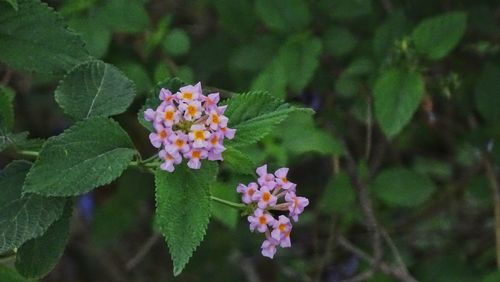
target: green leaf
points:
(23, 217)
(12, 139)
(96, 34)
(13, 3)
(128, 16)
(347, 85)
(393, 28)
(35, 38)
(339, 41)
(399, 187)
(8, 274)
(177, 42)
(37, 257)
(254, 115)
(89, 154)
(138, 74)
(236, 16)
(183, 209)
(6, 108)
(238, 161)
(226, 215)
(360, 66)
(300, 135)
(487, 93)
(437, 36)
(272, 79)
(346, 9)
(283, 15)
(397, 95)
(94, 89)
(300, 58)
(338, 196)
(255, 56)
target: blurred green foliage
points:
(410, 88)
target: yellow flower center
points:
(199, 135)
(187, 95)
(282, 227)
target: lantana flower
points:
(190, 125)
(274, 192)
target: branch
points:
(396, 272)
(495, 189)
(366, 205)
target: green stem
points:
(228, 203)
(29, 153)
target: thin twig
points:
(366, 205)
(368, 144)
(495, 189)
(143, 251)
(384, 267)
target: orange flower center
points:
(282, 227)
(191, 110)
(169, 115)
(262, 219)
(284, 180)
(187, 95)
(179, 143)
(214, 140)
(163, 134)
(266, 196)
(196, 154)
(251, 191)
(215, 118)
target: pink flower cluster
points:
(188, 124)
(264, 196)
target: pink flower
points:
(281, 178)
(215, 147)
(192, 110)
(228, 132)
(189, 93)
(216, 120)
(178, 143)
(264, 197)
(169, 160)
(272, 199)
(188, 125)
(297, 205)
(194, 156)
(159, 137)
(265, 179)
(199, 135)
(247, 191)
(211, 101)
(260, 220)
(166, 96)
(150, 115)
(281, 232)
(169, 115)
(269, 248)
